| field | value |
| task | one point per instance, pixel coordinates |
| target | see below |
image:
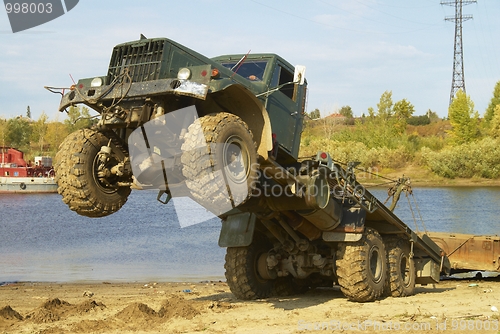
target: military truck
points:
(226, 131)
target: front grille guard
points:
(143, 61)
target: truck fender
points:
(241, 102)
(237, 230)
(351, 227)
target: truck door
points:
(285, 109)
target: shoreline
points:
(426, 181)
(465, 183)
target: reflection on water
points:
(471, 210)
(42, 240)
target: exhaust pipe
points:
(314, 204)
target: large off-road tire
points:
(222, 173)
(242, 272)
(75, 167)
(362, 267)
(401, 272)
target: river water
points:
(42, 240)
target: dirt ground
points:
(452, 306)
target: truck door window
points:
(282, 76)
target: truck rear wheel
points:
(242, 270)
(76, 175)
(402, 273)
(362, 267)
(222, 173)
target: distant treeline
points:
(41, 136)
(463, 145)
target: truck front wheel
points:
(362, 267)
(77, 178)
(219, 161)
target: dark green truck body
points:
(309, 230)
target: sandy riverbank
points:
(209, 307)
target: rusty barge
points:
(468, 252)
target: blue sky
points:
(353, 50)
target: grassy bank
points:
(421, 177)
(424, 153)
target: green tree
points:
(495, 100)
(495, 123)
(3, 131)
(39, 131)
(419, 120)
(384, 106)
(315, 114)
(371, 113)
(463, 119)
(346, 111)
(56, 132)
(18, 133)
(28, 112)
(433, 116)
(78, 118)
(402, 110)
(377, 129)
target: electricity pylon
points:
(458, 80)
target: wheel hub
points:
(103, 176)
(405, 270)
(375, 264)
(236, 160)
(263, 269)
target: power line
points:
(458, 80)
(378, 10)
(366, 31)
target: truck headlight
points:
(96, 82)
(183, 74)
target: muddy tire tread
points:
(241, 274)
(396, 286)
(74, 184)
(353, 279)
(199, 164)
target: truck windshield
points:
(250, 69)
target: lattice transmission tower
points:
(458, 80)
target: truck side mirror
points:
(299, 76)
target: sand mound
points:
(55, 309)
(174, 307)
(177, 306)
(41, 315)
(54, 304)
(50, 311)
(8, 313)
(137, 311)
(89, 306)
